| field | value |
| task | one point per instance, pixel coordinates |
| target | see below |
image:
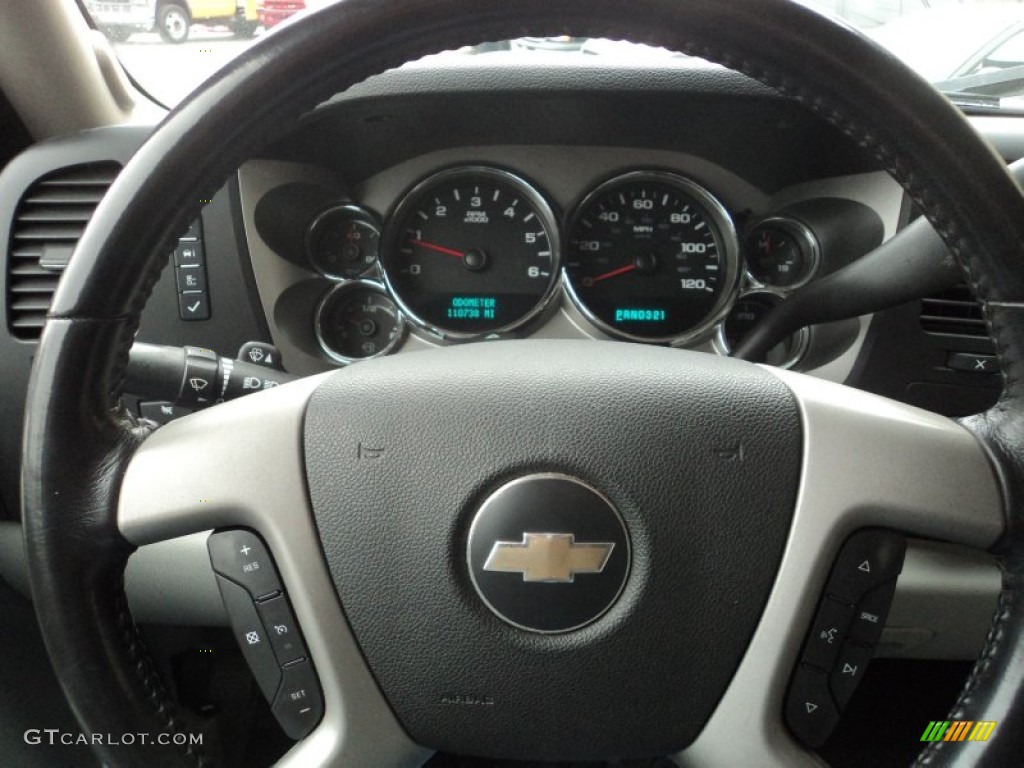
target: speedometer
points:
(471, 251)
(652, 256)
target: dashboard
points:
(479, 197)
(670, 206)
(633, 244)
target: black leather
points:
(927, 145)
(81, 444)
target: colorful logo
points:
(958, 730)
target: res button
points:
(242, 557)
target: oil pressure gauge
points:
(357, 321)
(342, 242)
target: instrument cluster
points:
(477, 251)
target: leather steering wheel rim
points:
(78, 439)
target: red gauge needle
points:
(438, 248)
(614, 273)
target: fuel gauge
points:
(357, 321)
(781, 252)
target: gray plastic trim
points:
(868, 461)
(173, 582)
(241, 464)
(944, 603)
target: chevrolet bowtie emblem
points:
(550, 557)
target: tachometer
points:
(652, 256)
(471, 251)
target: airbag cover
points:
(701, 457)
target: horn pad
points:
(694, 460)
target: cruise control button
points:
(849, 670)
(810, 712)
(249, 632)
(298, 706)
(827, 633)
(282, 628)
(868, 559)
(242, 557)
(870, 613)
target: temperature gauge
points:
(342, 242)
(781, 252)
(356, 321)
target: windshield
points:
(973, 50)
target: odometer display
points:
(471, 251)
(652, 257)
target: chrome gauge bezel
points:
(409, 200)
(357, 212)
(730, 248)
(802, 337)
(349, 286)
(801, 232)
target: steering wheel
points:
(725, 552)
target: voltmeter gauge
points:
(357, 321)
(343, 242)
(781, 252)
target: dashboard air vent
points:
(954, 312)
(50, 219)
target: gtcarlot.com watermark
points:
(54, 737)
